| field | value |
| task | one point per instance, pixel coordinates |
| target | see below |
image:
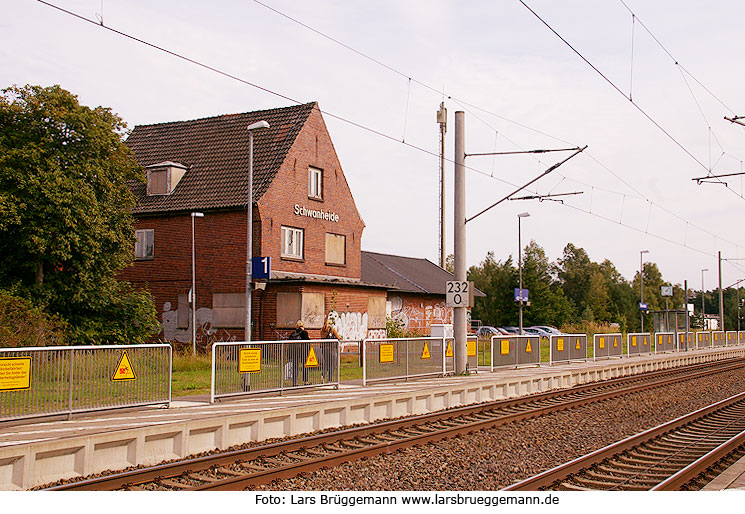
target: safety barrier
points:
(741, 337)
(404, 358)
(605, 346)
(59, 380)
(731, 338)
(664, 342)
(718, 339)
(568, 347)
(638, 343)
(241, 368)
(515, 351)
(685, 344)
(703, 339)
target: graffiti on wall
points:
(349, 325)
(419, 316)
(205, 333)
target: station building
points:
(304, 219)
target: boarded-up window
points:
(335, 249)
(376, 308)
(229, 310)
(183, 311)
(157, 182)
(313, 310)
(288, 309)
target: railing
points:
(513, 351)
(405, 358)
(58, 380)
(241, 368)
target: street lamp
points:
(641, 283)
(194, 286)
(520, 262)
(249, 224)
(703, 311)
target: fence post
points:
(363, 356)
(70, 384)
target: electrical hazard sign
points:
(577, 347)
(528, 348)
(124, 370)
(425, 351)
(449, 350)
(311, 361)
(615, 342)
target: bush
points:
(24, 324)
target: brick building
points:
(304, 219)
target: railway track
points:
(670, 457)
(240, 469)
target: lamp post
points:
(194, 286)
(249, 223)
(641, 284)
(703, 311)
(520, 263)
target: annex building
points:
(304, 219)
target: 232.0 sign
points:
(458, 293)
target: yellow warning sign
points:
(471, 348)
(124, 370)
(633, 340)
(560, 344)
(425, 351)
(528, 348)
(615, 342)
(601, 340)
(644, 340)
(386, 352)
(15, 373)
(249, 360)
(505, 347)
(311, 361)
(578, 346)
(449, 350)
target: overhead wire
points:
(366, 128)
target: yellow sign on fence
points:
(505, 347)
(311, 361)
(602, 342)
(386, 353)
(249, 360)
(471, 348)
(123, 370)
(560, 344)
(449, 350)
(15, 373)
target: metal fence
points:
(731, 338)
(513, 351)
(638, 343)
(55, 380)
(568, 347)
(241, 368)
(703, 339)
(685, 344)
(605, 346)
(404, 358)
(664, 342)
(718, 339)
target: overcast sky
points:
(520, 86)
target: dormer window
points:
(163, 178)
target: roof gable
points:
(216, 153)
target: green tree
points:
(548, 304)
(497, 280)
(65, 213)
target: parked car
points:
(485, 331)
(547, 331)
(510, 330)
(532, 331)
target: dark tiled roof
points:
(406, 274)
(215, 152)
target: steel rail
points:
(632, 447)
(481, 416)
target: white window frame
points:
(141, 244)
(315, 183)
(292, 242)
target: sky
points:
(646, 92)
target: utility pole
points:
(442, 119)
(685, 307)
(459, 246)
(721, 295)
